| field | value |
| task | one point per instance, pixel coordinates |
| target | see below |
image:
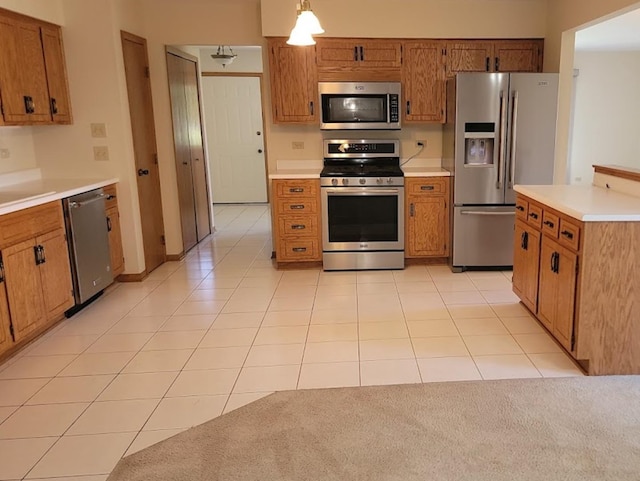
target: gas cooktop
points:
(362, 158)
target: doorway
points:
(235, 137)
(136, 65)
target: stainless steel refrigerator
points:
(500, 132)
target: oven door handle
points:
(363, 191)
(480, 212)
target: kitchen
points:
(57, 150)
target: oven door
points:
(362, 219)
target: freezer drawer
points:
(483, 236)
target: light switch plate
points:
(101, 153)
(98, 131)
(297, 145)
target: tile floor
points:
(223, 328)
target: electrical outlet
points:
(5, 153)
(101, 153)
(297, 145)
(421, 143)
(98, 131)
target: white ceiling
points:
(616, 34)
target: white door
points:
(235, 140)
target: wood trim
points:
(232, 74)
(285, 266)
(19, 16)
(618, 171)
(175, 257)
(132, 277)
(179, 53)
(133, 38)
(426, 261)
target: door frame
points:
(179, 53)
(260, 76)
(130, 37)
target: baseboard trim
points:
(175, 257)
(132, 277)
(426, 261)
(283, 266)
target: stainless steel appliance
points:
(88, 239)
(362, 191)
(500, 132)
(359, 105)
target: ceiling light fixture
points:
(307, 24)
(223, 58)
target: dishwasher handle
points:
(75, 205)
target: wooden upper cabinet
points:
(423, 82)
(358, 53)
(32, 72)
(56, 75)
(468, 56)
(294, 82)
(518, 56)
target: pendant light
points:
(223, 58)
(307, 24)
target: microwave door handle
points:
(514, 136)
(388, 108)
(503, 139)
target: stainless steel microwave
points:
(359, 105)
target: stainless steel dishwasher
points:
(88, 239)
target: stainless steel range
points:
(362, 189)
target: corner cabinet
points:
(33, 79)
(426, 217)
(36, 274)
(294, 82)
(296, 220)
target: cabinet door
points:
(23, 82)
(294, 83)
(518, 56)
(423, 82)
(526, 264)
(56, 75)
(24, 288)
(565, 310)
(428, 226)
(468, 56)
(337, 53)
(115, 241)
(6, 341)
(55, 273)
(548, 293)
(380, 54)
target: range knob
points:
(389, 180)
(345, 181)
(362, 181)
(379, 180)
(334, 181)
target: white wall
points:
(19, 143)
(606, 124)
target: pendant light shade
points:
(223, 58)
(307, 24)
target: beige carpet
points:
(534, 430)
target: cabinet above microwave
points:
(359, 105)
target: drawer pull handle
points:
(296, 190)
(533, 215)
(549, 223)
(524, 241)
(520, 208)
(298, 226)
(299, 249)
(296, 206)
(426, 187)
(567, 234)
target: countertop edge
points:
(445, 173)
(294, 175)
(94, 184)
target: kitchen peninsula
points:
(576, 266)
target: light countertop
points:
(425, 172)
(295, 174)
(585, 202)
(23, 195)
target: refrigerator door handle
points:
(514, 137)
(503, 139)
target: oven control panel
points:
(361, 181)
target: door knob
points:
(258, 133)
(142, 172)
(259, 151)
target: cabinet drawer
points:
(297, 206)
(298, 226)
(522, 208)
(299, 250)
(569, 234)
(534, 215)
(550, 224)
(427, 186)
(301, 188)
(111, 199)
(28, 223)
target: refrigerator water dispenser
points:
(479, 139)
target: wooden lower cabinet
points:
(296, 220)
(526, 263)
(427, 217)
(6, 341)
(115, 241)
(55, 273)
